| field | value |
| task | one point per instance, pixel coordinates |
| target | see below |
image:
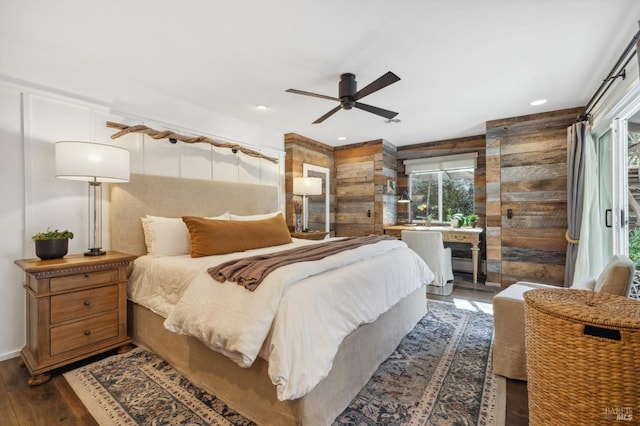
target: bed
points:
(250, 390)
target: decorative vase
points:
(51, 249)
(473, 224)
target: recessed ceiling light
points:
(538, 102)
(262, 107)
(342, 138)
(392, 120)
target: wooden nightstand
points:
(76, 308)
(310, 235)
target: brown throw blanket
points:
(250, 271)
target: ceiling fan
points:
(348, 95)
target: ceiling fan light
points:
(348, 95)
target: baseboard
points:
(9, 355)
(462, 264)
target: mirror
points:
(316, 208)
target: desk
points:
(470, 236)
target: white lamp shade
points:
(90, 161)
(307, 186)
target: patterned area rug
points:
(440, 374)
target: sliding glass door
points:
(604, 149)
(617, 135)
(633, 180)
(613, 177)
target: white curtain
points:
(589, 260)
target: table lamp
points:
(94, 163)
(306, 186)
(404, 199)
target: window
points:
(440, 187)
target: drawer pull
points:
(87, 303)
(86, 275)
(87, 332)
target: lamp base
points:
(95, 252)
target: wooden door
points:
(355, 190)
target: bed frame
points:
(249, 391)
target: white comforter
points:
(314, 304)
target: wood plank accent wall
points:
(361, 174)
(443, 148)
(527, 174)
(300, 150)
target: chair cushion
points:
(616, 277)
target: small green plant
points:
(449, 215)
(472, 218)
(53, 235)
(462, 220)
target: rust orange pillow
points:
(210, 236)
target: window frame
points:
(439, 166)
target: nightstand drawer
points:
(81, 304)
(70, 282)
(83, 333)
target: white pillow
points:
(168, 236)
(254, 216)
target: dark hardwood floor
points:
(55, 403)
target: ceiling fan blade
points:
(375, 110)
(327, 115)
(315, 95)
(380, 83)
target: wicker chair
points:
(509, 355)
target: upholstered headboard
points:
(176, 197)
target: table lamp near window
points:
(305, 186)
(95, 163)
(404, 199)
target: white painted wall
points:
(32, 119)
(12, 331)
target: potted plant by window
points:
(472, 220)
(52, 244)
(458, 220)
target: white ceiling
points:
(461, 62)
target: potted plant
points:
(472, 220)
(457, 220)
(52, 244)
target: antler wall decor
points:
(174, 137)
